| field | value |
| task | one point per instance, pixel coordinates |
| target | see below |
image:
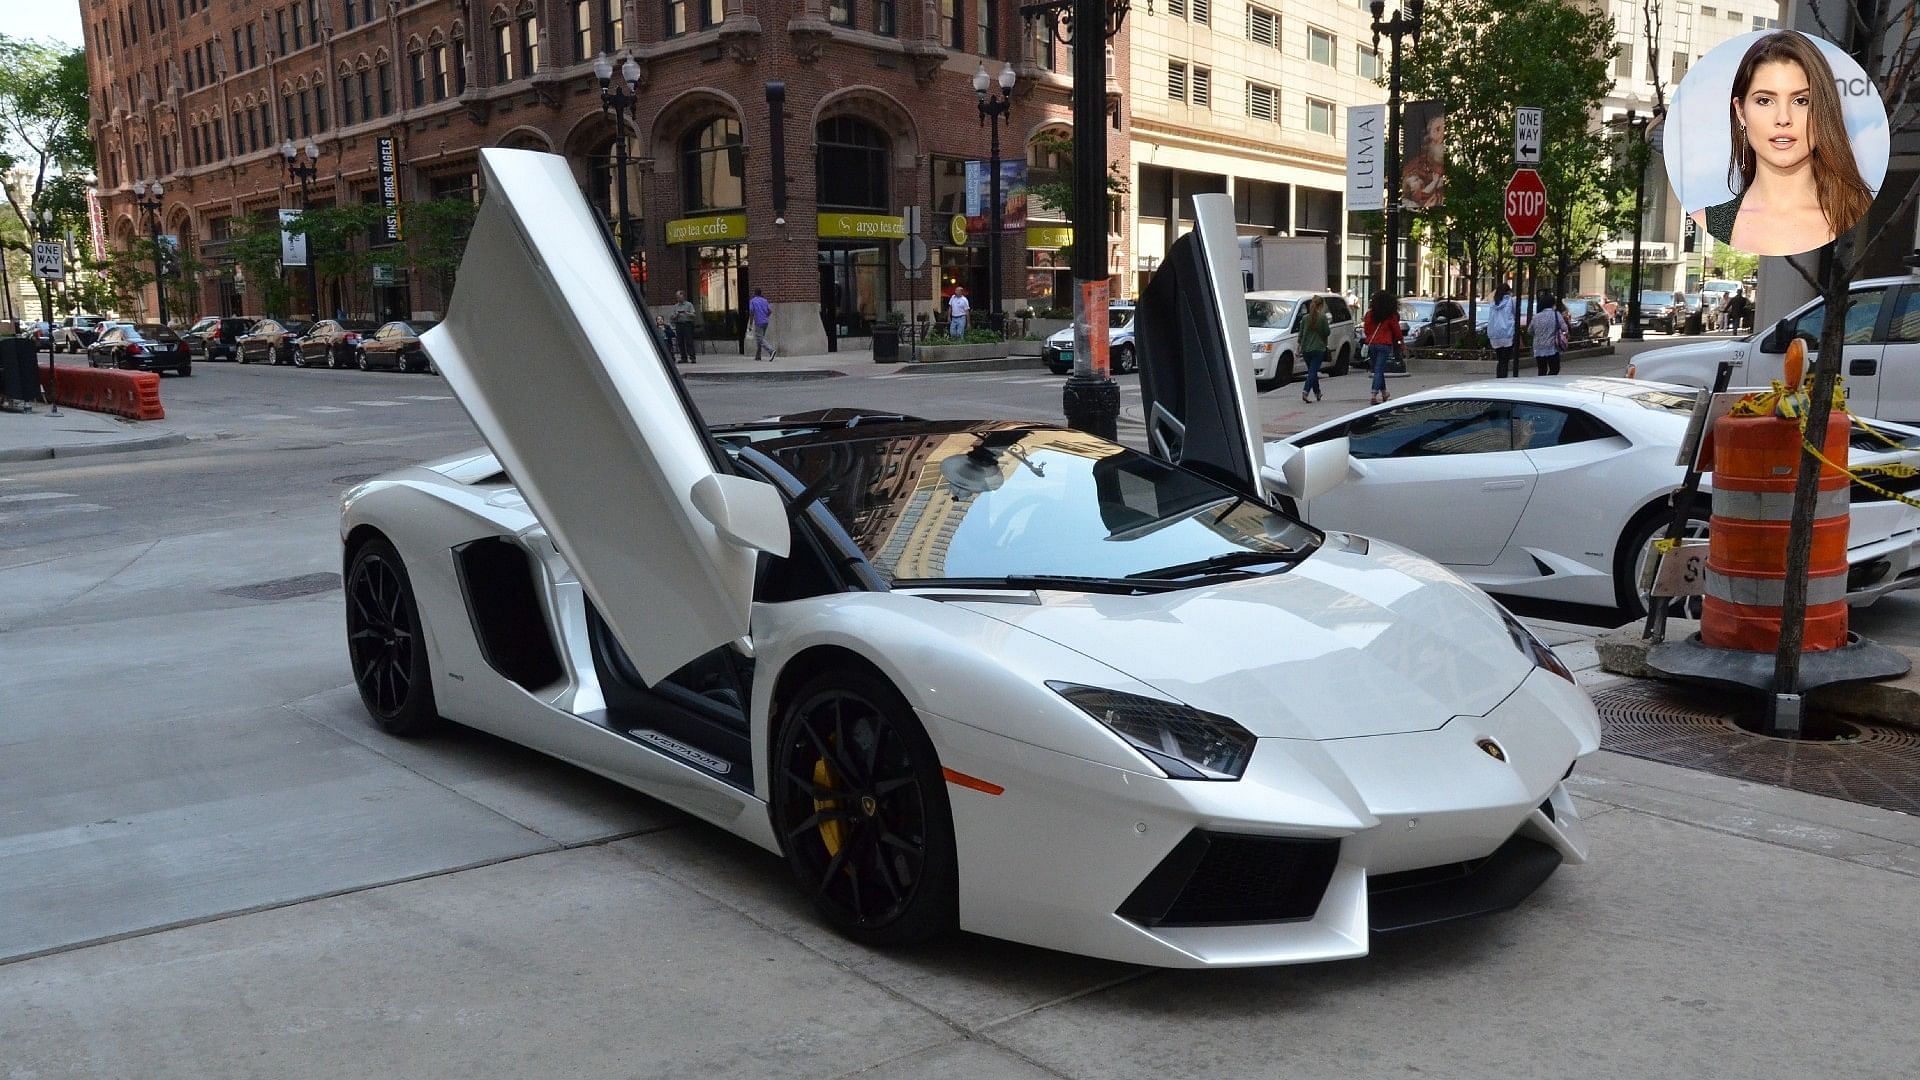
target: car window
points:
(1863, 313)
(1537, 427)
(203, 324)
(112, 334)
(266, 326)
(1269, 314)
(1427, 428)
(1906, 317)
(1118, 317)
(1337, 310)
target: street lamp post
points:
(151, 206)
(992, 108)
(1405, 23)
(1631, 331)
(1090, 399)
(303, 165)
(617, 100)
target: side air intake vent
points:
(1211, 879)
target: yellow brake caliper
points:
(832, 830)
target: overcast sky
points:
(58, 20)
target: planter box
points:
(1046, 328)
(931, 354)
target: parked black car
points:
(332, 343)
(270, 341)
(1656, 311)
(396, 346)
(216, 337)
(140, 347)
(1432, 322)
(1587, 322)
(75, 332)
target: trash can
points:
(19, 369)
(886, 343)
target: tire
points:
(1345, 362)
(299, 359)
(186, 369)
(881, 869)
(240, 356)
(385, 647)
(1639, 535)
(1123, 360)
(1058, 370)
(1282, 375)
(363, 361)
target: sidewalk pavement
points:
(38, 435)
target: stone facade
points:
(200, 94)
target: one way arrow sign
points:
(1526, 136)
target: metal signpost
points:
(913, 256)
(49, 265)
(1525, 205)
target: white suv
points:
(1274, 319)
(1880, 360)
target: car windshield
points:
(1416, 310)
(155, 332)
(1576, 308)
(1672, 401)
(296, 326)
(1118, 318)
(1654, 296)
(975, 506)
(87, 322)
(1270, 314)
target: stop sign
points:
(1526, 203)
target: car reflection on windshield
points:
(974, 505)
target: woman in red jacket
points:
(1384, 336)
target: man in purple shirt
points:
(762, 313)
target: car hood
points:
(1063, 339)
(1697, 356)
(1339, 646)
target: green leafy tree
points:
(1056, 194)
(43, 133)
(255, 250)
(438, 231)
(1482, 58)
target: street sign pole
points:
(913, 256)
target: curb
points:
(790, 375)
(996, 363)
(118, 446)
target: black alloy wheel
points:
(384, 642)
(860, 806)
(1123, 362)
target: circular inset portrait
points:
(1776, 142)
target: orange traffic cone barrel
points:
(1755, 459)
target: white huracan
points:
(998, 677)
(1556, 489)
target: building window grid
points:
(417, 72)
(1320, 116)
(1263, 102)
(1322, 46)
(440, 74)
(886, 19)
(582, 30)
(529, 44)
(1200, 88)
(503, 53)
(1366, 62)
(1263, 26)
(1202, 11)
(840, 12)
(1176, 80)
(953, 24)
(386, 89)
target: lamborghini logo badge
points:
(1492, 749)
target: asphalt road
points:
(212, 866)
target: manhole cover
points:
(1880, 766)
(354, 478)
(286, 588)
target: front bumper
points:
(1378, 833)
(1885, 556)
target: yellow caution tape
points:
(1791, 404)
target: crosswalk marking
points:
(378, 404)
(34, 496)
(428, 397)
(39, 512)
(327, 409)
(271, 416)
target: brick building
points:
(879, 115)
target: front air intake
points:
(1216, 879)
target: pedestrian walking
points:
(1502, 322)
(957, 308)
(761, 313)
(1313, 345)
(1384, 339)
(1549, 335)
(686, 318)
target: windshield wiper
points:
(1231, 560)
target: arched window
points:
(853, 164)
(712, 167)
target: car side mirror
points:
(1304, 473)
(746, 513)
(1776, 339)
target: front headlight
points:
(1533, 648)
(1264, 346)
(1184, 742)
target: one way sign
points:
(1526, 136)
(47, 260)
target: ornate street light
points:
(303, 165)
(151, 207)
(619, 100)
(1405, 23)
(992, 108)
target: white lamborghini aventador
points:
(998, 676)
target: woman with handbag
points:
(1500, 328)
(1313, 345)
(1549, 335)
(1384, 337)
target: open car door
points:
(1196, 367)
(547, 348)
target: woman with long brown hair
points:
(1795, 182)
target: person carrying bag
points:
(1500, 330)
(1384, 339)
(1549, 336)
(1313, 345)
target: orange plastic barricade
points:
(132, 394)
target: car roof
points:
(1290, 294)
